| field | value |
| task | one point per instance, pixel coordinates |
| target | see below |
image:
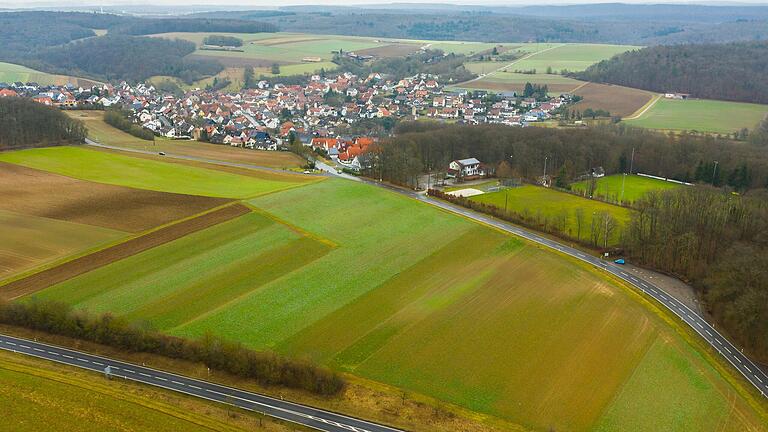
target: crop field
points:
(466, 314)
(142, 173)
(540, 203)
(701, 115)
(617, 100)
(570, 57)
(40, 395)
(103, 133)
(28, 241)
(10, 72)
(510, 81)
(610, 188)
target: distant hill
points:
(734, 71)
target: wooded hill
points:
(65, 43)
(24, 124)
(734, 71)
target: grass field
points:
(39, 395)
(570, 57)
(701, 115)
(466, 314)
(10, 72)
(540, 203)
(118, 169)
(103, 133)
(609, 188)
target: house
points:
(680, 96)
(466, 168)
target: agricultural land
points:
(103, 133)
(10, 72)
(37, 394)
(301, 279)
(701, 115)
(634, 187)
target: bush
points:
(120, 121)
(265, 367)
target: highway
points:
(731, 353)
(284, 410)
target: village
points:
(338, 117)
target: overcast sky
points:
(274, 3)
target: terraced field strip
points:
(84, 264)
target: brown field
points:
(618, 100)
(393, 50)
(103, 133)
(43, 194)
(84, 264)
(239, 62)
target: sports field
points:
(558, 208)
(103, 133)
(122, 170)
(10, 72)
(39, 395)
(466, 314)
(701, 115)
(634, 187)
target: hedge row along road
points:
(288, 411)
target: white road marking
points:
(97, 363)
(758, 378)
(39, 350)
(67, 356)
(53, 353)
(11, 343)
(720, 343)
(160, 378)
(146, 375)
(195, 387)
(178, 383)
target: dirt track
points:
(39, 193)
(78, 266)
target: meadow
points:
(118, 169)
(10, 72)
(466, 314)
(610, 188)
(701, 115)
(104, 133)
(543, 203)
(570, 57)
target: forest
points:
(733, 71)
(24, 124)
(65, 43)
(419, 147)
(221, 40)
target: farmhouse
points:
(466, 168)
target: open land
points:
(541, 203)
(455, 295)
(10, 72)
(701, 115)
(617, 100)
(610, 188)
(104, 133)
(37, 394)
(570, 57)
(119, 169)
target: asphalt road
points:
(284, 410)
(731, 353)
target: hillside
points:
(734, 71)
(24, 123)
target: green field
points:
(466, 314)
(541, 203)
(571, 57)
(701, 115)
(28, 241)
(610, 188)
(113, 168)
(10, 72)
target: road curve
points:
(292, 412)
(733, 355)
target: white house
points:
(470, 167)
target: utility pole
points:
(632, 161)
(714, 170)
(545, 168)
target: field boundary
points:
(292, 227)
(643, 109)
(84, 263)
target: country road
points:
(292, 412)
(733, 355)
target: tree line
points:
(449, 67)
(733, 71)
(24, 123)
(266, 368)
(221, 40)
(120, 120)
